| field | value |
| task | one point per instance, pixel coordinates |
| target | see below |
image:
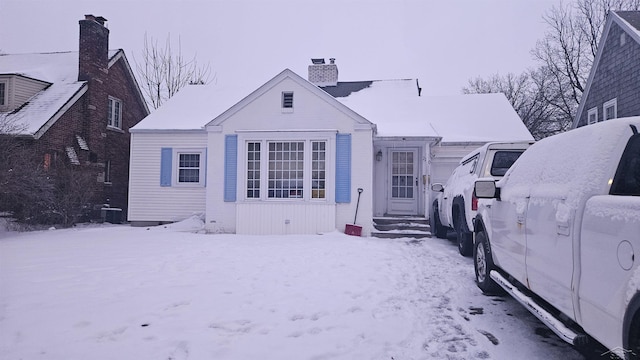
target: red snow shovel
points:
(353, 229)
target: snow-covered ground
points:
(117, 292)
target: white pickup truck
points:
(455, 206)
(561, 231)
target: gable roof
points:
(397, 110)
(197, 106)
(392, 106)
(60, 70)
(629, 22)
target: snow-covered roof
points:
(393, 105)
(60, 69)
(194, 106)
(397, 110)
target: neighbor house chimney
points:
(322, 74)
(94, 48)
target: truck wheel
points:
(634, 339)
(483, 263)
(438, 230)
(463, 236)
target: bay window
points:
(293, 169)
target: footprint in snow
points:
(181, 352)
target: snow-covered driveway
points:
(117, 292)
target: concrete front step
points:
(392, 227)
(400, 234)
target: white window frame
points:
(201, 167)
(611, 103)
(107, 172)
(4, 99)
(111, 121)
(307, 139)
(592, 111)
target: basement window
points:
(287, 101)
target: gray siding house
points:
(613, 87)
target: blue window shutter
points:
(343, 168)
(165, 166)
(230, 167)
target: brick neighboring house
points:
(77, 107)
(613, 87)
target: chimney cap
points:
(98, 19)
(317, 61)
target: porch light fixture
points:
(379, 155)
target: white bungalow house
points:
(290, 156)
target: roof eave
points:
(218, 120)
(121, 55)
(626, 27)
(67, 105)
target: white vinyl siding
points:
(19, 90)
(261, 218)
(148, 200)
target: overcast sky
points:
(443, 43)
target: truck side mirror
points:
(437, 187)
(486, 189)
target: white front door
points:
(402, 193)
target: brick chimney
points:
(94, 48)
(322, 74)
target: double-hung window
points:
(253, 170)
(115, 113)
(610, 109)
(592, 116)
(292, 169)
(189, 168)
(318, 169)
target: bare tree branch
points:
(163, 72)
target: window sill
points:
(189, 185)
(115, 129)
(287, 110)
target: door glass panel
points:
(402, 175)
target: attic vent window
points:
(287, 101)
